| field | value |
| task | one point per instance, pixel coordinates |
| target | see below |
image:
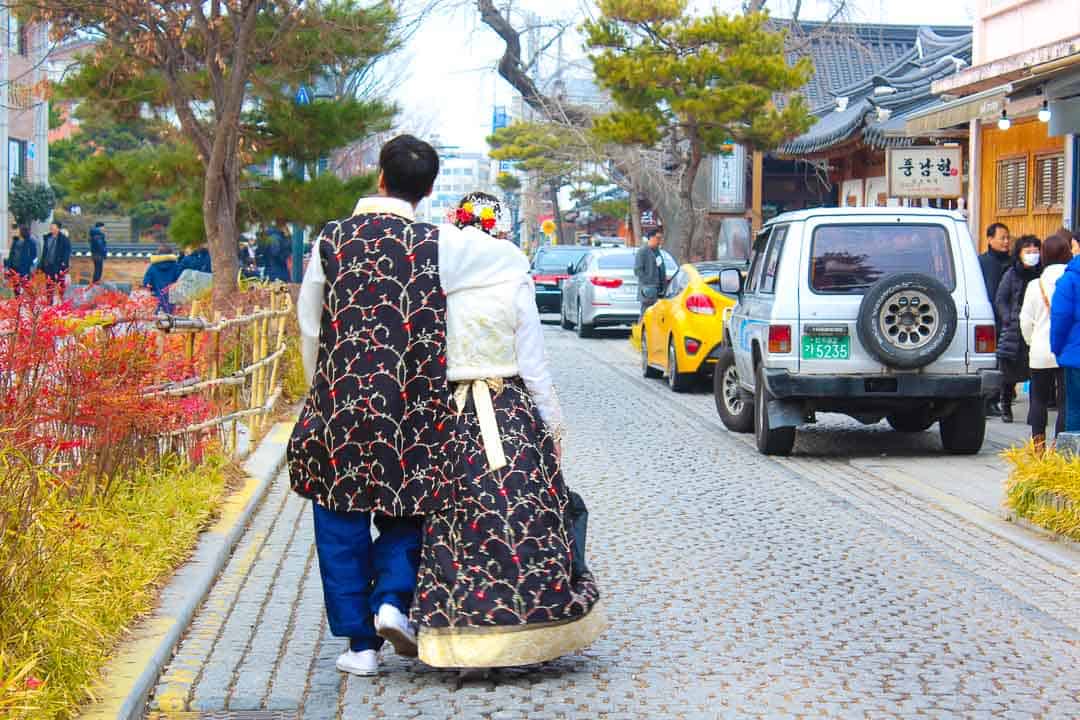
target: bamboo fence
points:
(248, 393)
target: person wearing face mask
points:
(1012, 351)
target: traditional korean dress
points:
(497, 586)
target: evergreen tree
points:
(692, 84)
(224, 70)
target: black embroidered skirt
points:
(496, 585)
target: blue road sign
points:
(303, 95)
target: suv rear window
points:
(851, 258)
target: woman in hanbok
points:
(499, 584)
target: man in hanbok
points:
(370, 443)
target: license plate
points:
(816, 347)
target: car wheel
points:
(911, 421)
(583, 330)
(563, 322)
(907, 320)
(963, 430)
(647, 370)
(734, 405)
(770, 441)
(677, 381)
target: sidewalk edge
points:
(1006, 525)
(131, 674)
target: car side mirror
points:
(570, 269)
(731, 281)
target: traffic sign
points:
(303, 96)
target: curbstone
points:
(130, 676)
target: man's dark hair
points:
(99, 224)
(650, 234)
(59, 225)
(409, 167)
(992, 229)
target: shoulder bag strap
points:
(1042, 291)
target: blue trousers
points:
(360, 575)
(1072, 399)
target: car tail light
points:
(691, 345)
(985, 339)
(546, 279)
(780, 339)
(606, 282)
(701, 304)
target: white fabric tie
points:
(485, 415)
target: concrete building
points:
(459, 173)
(24, 118)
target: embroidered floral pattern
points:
(373, 433)
(501, 555)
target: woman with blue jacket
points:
(1065, 334)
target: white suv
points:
(872, 312)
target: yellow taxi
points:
(681, 331)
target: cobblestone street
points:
(736, 586)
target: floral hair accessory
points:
(478, 209)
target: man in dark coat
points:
(370, 438)
(98, 250)
(994, 262)
(278, 250)
(197, 260)
(55, 253)
(21, 257)
(649, 269)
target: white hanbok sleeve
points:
(532, 362)
(309, 308)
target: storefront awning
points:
(987, 104)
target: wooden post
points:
(280, 339)
(756, 193)
(215, 355)
(189, 343)
(256, 325)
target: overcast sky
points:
(449, 84)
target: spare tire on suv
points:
(907, 320)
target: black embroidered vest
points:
(372, 433)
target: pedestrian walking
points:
(649, 269)
(98, 250)
(1012, 350)
(278, 252)
(163, 271)
(1065, 334)
(497, 586)
(197, 260)
(1047, 378)
(21, 257)
(994, 262)
(371, 440)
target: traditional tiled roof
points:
(932, 57)
(844, 54)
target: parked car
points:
(602, 290)
(549, 265)
(872, 312)
(681, 335)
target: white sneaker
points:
(364, 663)
(392, 625)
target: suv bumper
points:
(783, 385)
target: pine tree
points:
(214, 67)
(692, 84)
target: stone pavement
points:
(737, 586)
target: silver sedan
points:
(602, 290)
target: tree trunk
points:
(220, 200)
(635, 219)
(688, 219)
(560, 237)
